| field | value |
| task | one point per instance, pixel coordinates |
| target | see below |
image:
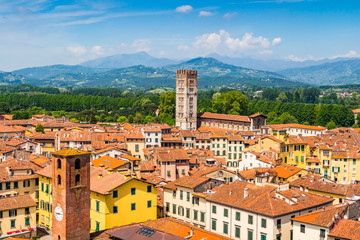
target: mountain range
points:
(142, 70)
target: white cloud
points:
(183, 47)
(297, 59)
(205, 13)
(349, 54)
(276, 41)
(184, 9)
(210, 41)
(141, 45)
(77, 50)
(97, 50)
(230, 15)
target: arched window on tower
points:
(77, 164)
(77, 179)
(59, 180)
(59, 164)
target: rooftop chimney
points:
(246, 193)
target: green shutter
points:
(237, 232)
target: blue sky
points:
(46, 32)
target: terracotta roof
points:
(265, 200)
(182, 229)
(227, 117)
(188, 182)
(305, 180)
(286, 171)
(323, 217)
(108, 162)
(41, 161)
(129, 157)
(108, 148)
(20, 201)
(70, 152)
(334, 188)
(7, 129)
(102, 182)
(153, 178)
(187, 133)
(46, 172)
(256, 115)
(346, 229)
(147, 166)
(152, 129)
(296, 125)
(356, 110)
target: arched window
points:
(217, 153)
(77, 179)
(77, 164)
(59, 164)
(59, 180)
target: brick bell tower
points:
(71, 195)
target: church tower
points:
(186, 99)
(71, 195)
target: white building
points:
(253, 159)
(245, 211)
(152, 136)
(297, 129)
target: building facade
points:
(186, 99)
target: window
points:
(16, 185)
(133, 191)
(322, 233)
(26, 183)
(149, 204)
(263, 223)
(47, 188)
(137, 148)
(77, 179)
(1, 215)
(167, 207)
(12, 223)
(278, 223)
(174, 209)
(97, 205)
(97, 227)
(226, 212)
(27, 210)
(59, 164)
(226, 228)
(250, 219)
(237, 231)
(181, 211)
(263, 236)
(183, 171)
(27, 221)
(59, 180)
(149, 189)
(188, 196)
(115, 194)
(181, 194)
(168, 173)
(77, 164)
(12, 213)
(115, 209)
(213, 224)
(237, 216)
(302, 228)
(42, 187)
(250, 235)
(214, 209)
(133, 207)
(188, 212)
(202, 217)
(7, 185)
(195, 215)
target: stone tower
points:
(186, 99)
(71, 195)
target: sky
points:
(47, 32)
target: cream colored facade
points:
(305, 231)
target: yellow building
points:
(45, 197)
(343, 167)
(112, 197)
(295, 151)
(18, 216)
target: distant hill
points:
(334, 73)
(7, 78)
(274, 65)
(128, 60)
(211, 74)
(53, 70)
